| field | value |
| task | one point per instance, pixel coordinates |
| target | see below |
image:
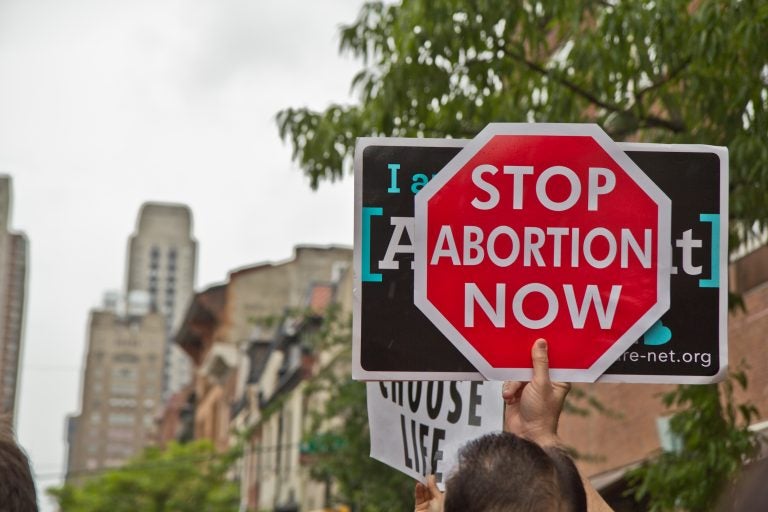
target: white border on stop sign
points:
(663, 257)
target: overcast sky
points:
(107, 104)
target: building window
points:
(122, 402)
(124, 373)
(124, 381)
(123, 388)
(172, 259)
(121, 418)
(120, 434)
(125, 357)
(288, 443)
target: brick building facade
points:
(611, 443)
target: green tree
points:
(671, 71)
(677, 71)
(713, 440)
(181, 478)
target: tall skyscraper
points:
(131, 364)
(121, 386)
(162, 258)
(13, 277)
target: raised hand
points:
(532, 409)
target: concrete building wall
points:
(13, 279)
(162, 261)
(284, 479)
(255, 296)
(258, 293)
(121, 390)
(285, 415)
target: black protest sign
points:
(394, 340)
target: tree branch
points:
(664, 80)
(651, 121)
(648, 121)
(535, 66)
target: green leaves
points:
(189, 477)
(674, 71)
(715, 441)
(649, 71)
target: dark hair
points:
(502, 472)
(17, 488)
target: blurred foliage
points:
(181, 478)
(675, 71)
(338, 432)
(714, 444)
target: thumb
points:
(540, 363)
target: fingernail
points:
(541, 344)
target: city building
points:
(250, 340)
(245, 338)
(13, 283)
(121, 387)
(275, 409)
(162, 256)
(130, 367)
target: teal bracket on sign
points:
(367, 276)
(714, 278)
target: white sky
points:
(107, 104)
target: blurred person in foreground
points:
(17, 488)
(522, 469)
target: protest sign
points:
(394, 340)
(418, 427)
(542, 230)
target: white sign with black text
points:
(418, 427)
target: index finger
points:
(540, 363)
(511, 390)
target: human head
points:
(17, 488)
(502, 472)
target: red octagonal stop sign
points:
(542, 230)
